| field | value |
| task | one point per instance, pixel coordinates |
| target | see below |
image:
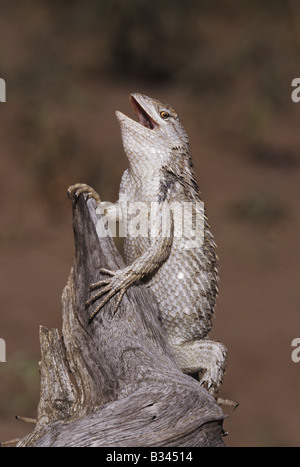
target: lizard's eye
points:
(164, 114)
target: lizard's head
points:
(156, 136)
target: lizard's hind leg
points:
(203, 354)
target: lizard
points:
(182, 273)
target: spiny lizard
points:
(179, 268)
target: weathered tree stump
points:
(114, 381)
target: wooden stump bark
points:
(114, 381)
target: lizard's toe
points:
(74, 191)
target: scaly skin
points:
(180, 271)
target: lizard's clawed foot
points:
(211, 386)
(74, 191)
(118, 282)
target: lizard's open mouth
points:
(143, 117)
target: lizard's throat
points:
(142, 168)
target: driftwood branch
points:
(114, 382)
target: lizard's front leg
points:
(120, 280)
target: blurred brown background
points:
(227, 68)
